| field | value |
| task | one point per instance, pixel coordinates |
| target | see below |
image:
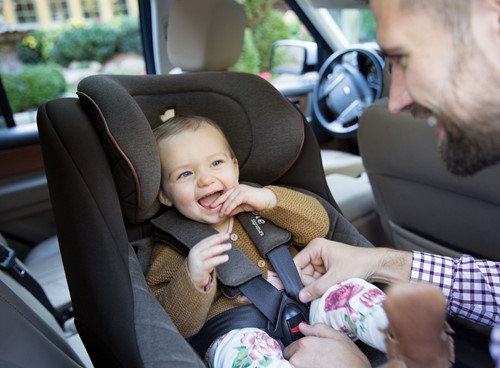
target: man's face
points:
(455, 85)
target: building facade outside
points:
(19, 15)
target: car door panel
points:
(25, 212)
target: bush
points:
(272, 28)
(30, 47)
(33, 85)
(97, 42)
(129, 37)
(249, 58)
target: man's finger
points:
(318, 330)
(316, 288)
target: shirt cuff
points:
(437, 270)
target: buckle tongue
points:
(9, 257)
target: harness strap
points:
(264, 296)
(285, 267)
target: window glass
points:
(48, 46)
(58, 10)
(119, 7)
(358, 25)
(90, 8)
(25, 11)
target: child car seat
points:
(103, 174)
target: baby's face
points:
(197, 168)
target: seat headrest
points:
(205, 35)
(265, 130)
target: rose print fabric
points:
(247, 348)
(354, 307)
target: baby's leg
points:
(247, 347)
(354, 307)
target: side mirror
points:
(293, 57)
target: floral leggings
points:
(354, 307)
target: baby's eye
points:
(217, 163)
(185, 174)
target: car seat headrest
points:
(205, 35)
(265, 130)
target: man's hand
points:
(322, 346)
(323, 263)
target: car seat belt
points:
(275, 249)
(9, 263)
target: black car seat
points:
(103, 173)
(422, 205)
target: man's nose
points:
(399, 97)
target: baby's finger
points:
(213, 262)
(214, 250)
(221, 199)
(234, 200)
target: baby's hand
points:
(206, 255)
(244, 198)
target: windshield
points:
(357, 25)
(340, 27)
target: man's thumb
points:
(314, 290)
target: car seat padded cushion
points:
(265, 130)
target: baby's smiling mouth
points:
(207, 200)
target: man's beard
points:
(468, 150)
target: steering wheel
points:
(349, 81)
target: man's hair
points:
(451, 14)
(180, 124)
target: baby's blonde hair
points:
(179, 124)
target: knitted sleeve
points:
(170, 282)
(302, 215)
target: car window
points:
(47, 47)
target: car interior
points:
(96, 188)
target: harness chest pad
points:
(183, 234)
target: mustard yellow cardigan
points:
(190, 307)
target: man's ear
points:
(163, 199)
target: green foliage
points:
(129, 37)
(249, 58)
(271, 29)
(368, 29)
(33, 85)
(30, 47)
(267, 24)
(97, 42)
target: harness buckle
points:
(8, 258)
(291, 314)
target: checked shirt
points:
(471, 287)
